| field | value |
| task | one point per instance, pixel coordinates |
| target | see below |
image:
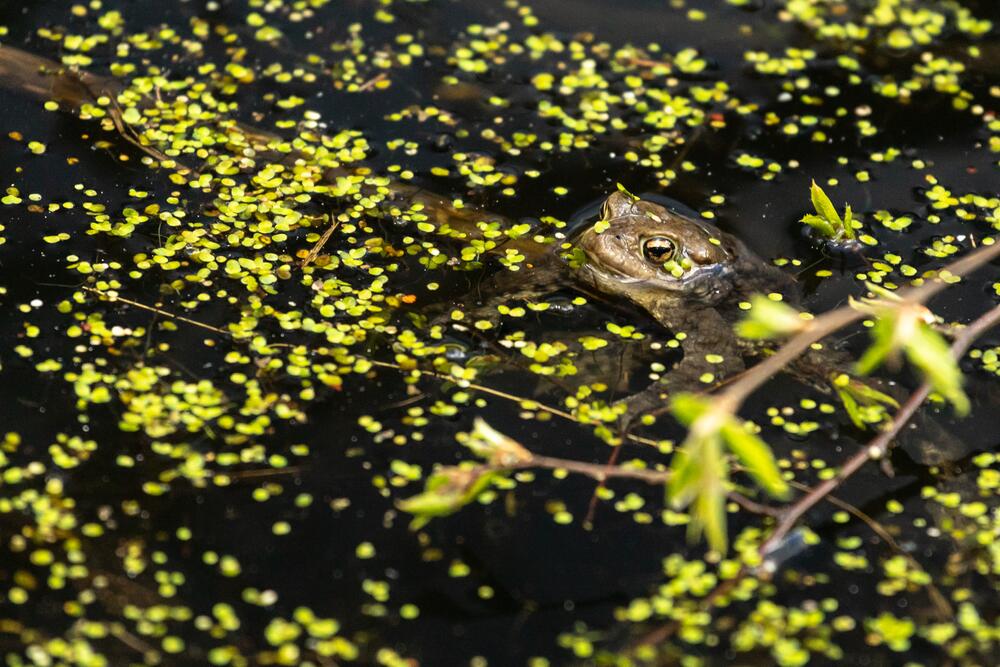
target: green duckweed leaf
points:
(621, 188)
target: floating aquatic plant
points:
(827, 222)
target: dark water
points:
(545, 579)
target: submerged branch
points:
(603, 472)
(45, 79)
(511, 397)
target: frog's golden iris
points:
(658, 249)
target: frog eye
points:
(659, 249)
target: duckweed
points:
(230, 257)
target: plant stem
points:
(880, 444)
(820, 327)
(602, 473)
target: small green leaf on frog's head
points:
(621, 188)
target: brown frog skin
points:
(689, 275)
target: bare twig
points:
(880, 444)
(316, 249)
(372, 82)
(602, 473)
(944, 608)
(876, 449)
(822, 326)
(511, 397)
(152, 309)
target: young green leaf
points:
(492, 445)
(686, 475)
(883, 342)
(826, 221)
(709, 514)
(927, 350)
(769, 319)
(687, 407)
(906, 325)
(756, 457)
(700, 471)
(820, 224)
(864, 404)
(448, 490)
(854, 411)
(824, 207)
(849, 222)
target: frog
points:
(695, 280)
(687, 274)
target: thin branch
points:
(372, 82)
(878, 447)
(602, 473)
(822, 326)
(880, 444)
(152, 309)
(510, 397)
(944, 608)
(316, 249)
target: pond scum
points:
(254, 262)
